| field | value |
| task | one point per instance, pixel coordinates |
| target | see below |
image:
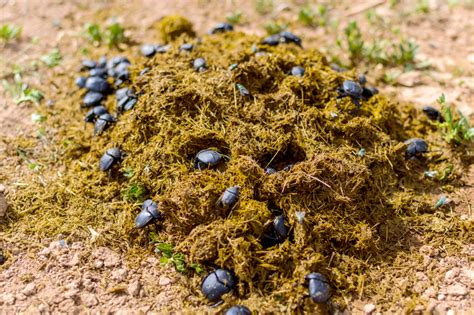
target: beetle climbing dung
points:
(110, 158)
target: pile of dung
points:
(354, 207)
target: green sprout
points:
(93, 33)
(234, 18)
(128, 172)
(354, 40)
(454, 130)
(168, 256)
(423, 6)
(52, 59)
(263, 6)
(307, 16)
(20, 91)
(114, 34)
(274, 27)
(135, 192)
(9, 32)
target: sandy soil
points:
(51, 276)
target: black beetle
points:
(92, 99)
(95, 112)
(217, 283)
(111, 157)
(270, 170)
(288, 167)
(186, 47)
(221, 28)
(162, 48)
(97, 84)
(287, 37)
(272, 40)
(351, 89)
(126, 99)
(98, 72)
(362, 79)
(148, 50)
(243, 90)
(103, 122)
(3, 259)
(416, 147)
(368, 92)
(207, 159)
(80, 82)
(276, 234)
(318, 287)
(238, 310)
(102, 63)
(229, 197)
(88, 64)
(199, 64)
(148, 214)
(297, 71)
(337, 68)
(433, 113)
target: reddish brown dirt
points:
(48, 276)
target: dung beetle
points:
(103, 122)
(229, 197)
(92, 99)
(126, 99)
(186, 47)
(148, 214)
(368, 92)
(111, 157)
(97, 84)
(272, 40)
(433, 113)
(102, 63)
(2, 259)
(243, 90)
(238, 310)
(221, 28)
(351, 89)
(276, 234)
(318, 287)
(288, 167)
(270, 170)
(297, 71)
(95, 112)
(217, 283)
(80, 82)
(287, 37)
(362, 79)
(207, 159)
(148, 50)
(88, 64)
(416, 147)
(98, 72)
(199, 64)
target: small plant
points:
(113, 35)
(9, 32)
(263, 6)
(52, 59)
(274, 27)
(354, 40)
(423, 6)
(404, 53)
(169, 256)
(234, 18)
(93, 33)
(135, 192)
(307, 16)
(454, 130)
(128, 172)
(20, 91)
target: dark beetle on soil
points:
(229, 197)
(92, 99)
(276, 233)
(238, 310)
(199, 64)
(318, 287)
(148, 215)
(111, 157)
(433, 113)
(207, 159)
(217, 283)
(94, 113)
(416, 147)
(97, 84)
(103, 122)
(221, 28)
(351, 89)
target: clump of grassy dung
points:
(172, 27)
(351, 216)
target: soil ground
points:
(52, 276)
